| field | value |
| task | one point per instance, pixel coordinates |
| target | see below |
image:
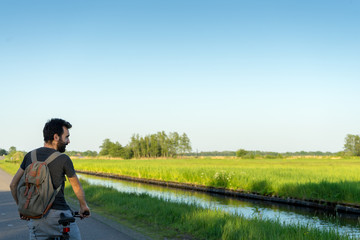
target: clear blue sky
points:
(259, 75)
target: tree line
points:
(173, 144)
(351, 148)
(87, 153)
(252, 153)
(149, 146)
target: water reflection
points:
(346, 224)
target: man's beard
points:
(61, 146)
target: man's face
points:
(63, 140)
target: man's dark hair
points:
(54, 126)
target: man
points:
(56, 137)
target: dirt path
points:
(94, 228)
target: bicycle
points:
(65, 222)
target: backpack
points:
(35, 191)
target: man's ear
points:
(56, 137)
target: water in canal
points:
(346, 224)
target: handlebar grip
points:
(77, 214)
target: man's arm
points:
(79, 192)
(14, 183)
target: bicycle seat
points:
(65, 220)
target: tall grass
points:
(185, 221)
(308, 178)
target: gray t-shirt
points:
(58, 168)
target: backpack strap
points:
(52, 157)
(33, 156)
(48, 160)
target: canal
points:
(345, 223)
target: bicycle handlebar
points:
(77, 214)
(67, 220)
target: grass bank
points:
(335, 180)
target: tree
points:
(116, 150)
(105, 147)
(155, 149)
(127, 153)
(241, 152)
(162, 137)
(174, 142)
(352, 145)
(142, 147)
(153, 145)
(3, 152)
(135, 145)
(111, 149)
(12, 150)
(185, 146)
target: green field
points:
(304, 178)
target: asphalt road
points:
(94, 228)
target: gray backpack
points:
(35, 191)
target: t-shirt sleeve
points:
(25, 160)
(69, 168)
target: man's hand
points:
(22, 217)
(84, 212)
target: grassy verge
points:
(303, 178)
(164, 219)
(9, 167)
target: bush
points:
(241, 153)
(15, 157)
(127, 153)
